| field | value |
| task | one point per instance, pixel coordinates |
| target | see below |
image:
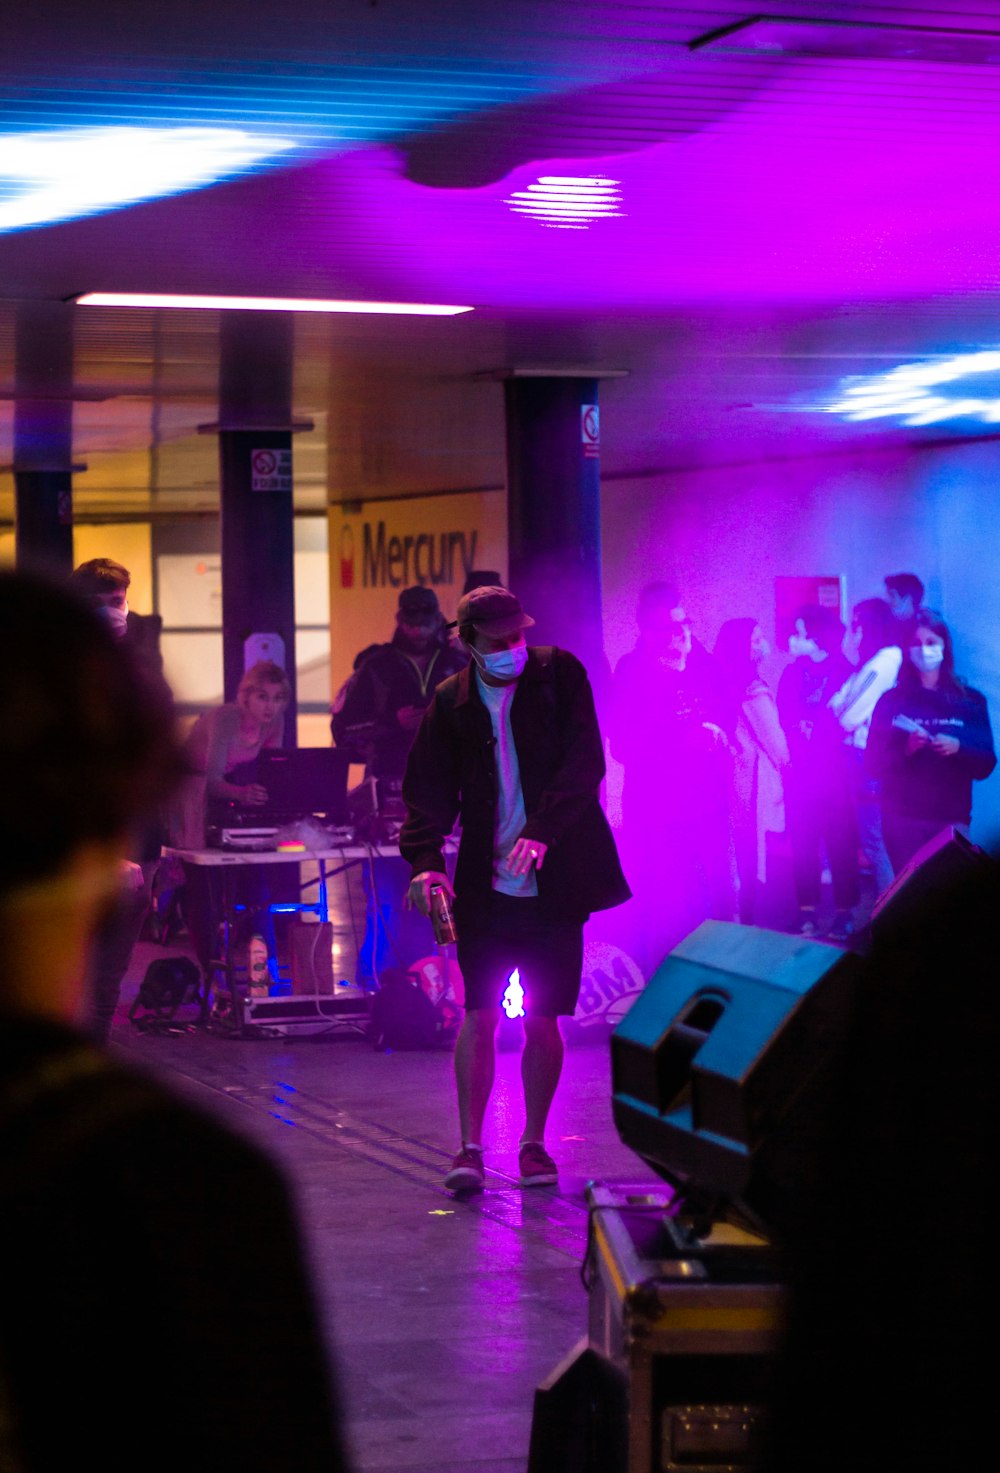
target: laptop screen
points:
(304, 780)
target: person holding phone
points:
(930, 740)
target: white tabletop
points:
(344, 853)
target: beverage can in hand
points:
(441, 916)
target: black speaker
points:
(722, 1062)
(943, 864)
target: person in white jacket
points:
(760, 753)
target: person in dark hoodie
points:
(375, 719)
(930, 740)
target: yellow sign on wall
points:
(434, 541)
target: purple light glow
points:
(785, 198)
(513, 998)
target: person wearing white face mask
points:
(511, 746)
(819, 810)
(930, 739)
(873, 641)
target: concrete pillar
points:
(43, 437)
(255, 464)
(554, 511)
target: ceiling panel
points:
(785, 220)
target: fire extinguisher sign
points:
(270, 470)
(590, 431)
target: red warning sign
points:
(270, 470)
(590, 431)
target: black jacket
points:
(386, 681)
(923, 784)
(156, 1311)
(451, 773)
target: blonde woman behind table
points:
(223, 746)
(225, 739)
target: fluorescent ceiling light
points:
(266, 304)
(567, 200)
(65, 173)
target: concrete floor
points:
(443, 1314)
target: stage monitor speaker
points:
(941, 865)
(720, 1063)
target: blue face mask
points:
(503, 664)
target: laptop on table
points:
(301, 782)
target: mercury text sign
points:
(432, 541)
(394, 560)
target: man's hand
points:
(130, 875)
(418, 897)
(253, 795)
(944, 746)
(525, 853)
(915, 742)
(410, 717)
(717, 736)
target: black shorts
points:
(513, 933)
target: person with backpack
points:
(511, 747)
(374, 718)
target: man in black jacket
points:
(511, 746)
(376, 718)
(393, 683)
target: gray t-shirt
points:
(510, 816)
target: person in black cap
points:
(391, 689)
(481, 578)
(511, 746)
(378, 715)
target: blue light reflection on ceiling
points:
(318, 106)
(66, 173)
(911, 393)
(68, 151)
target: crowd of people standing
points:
(867, 749)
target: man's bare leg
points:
(541, 1066)
(475, 1066)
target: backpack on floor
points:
(170, 981)
(402, 1015)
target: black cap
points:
(419, 602)
(493, 611)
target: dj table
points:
(346, 1008)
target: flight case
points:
(690, 1324)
